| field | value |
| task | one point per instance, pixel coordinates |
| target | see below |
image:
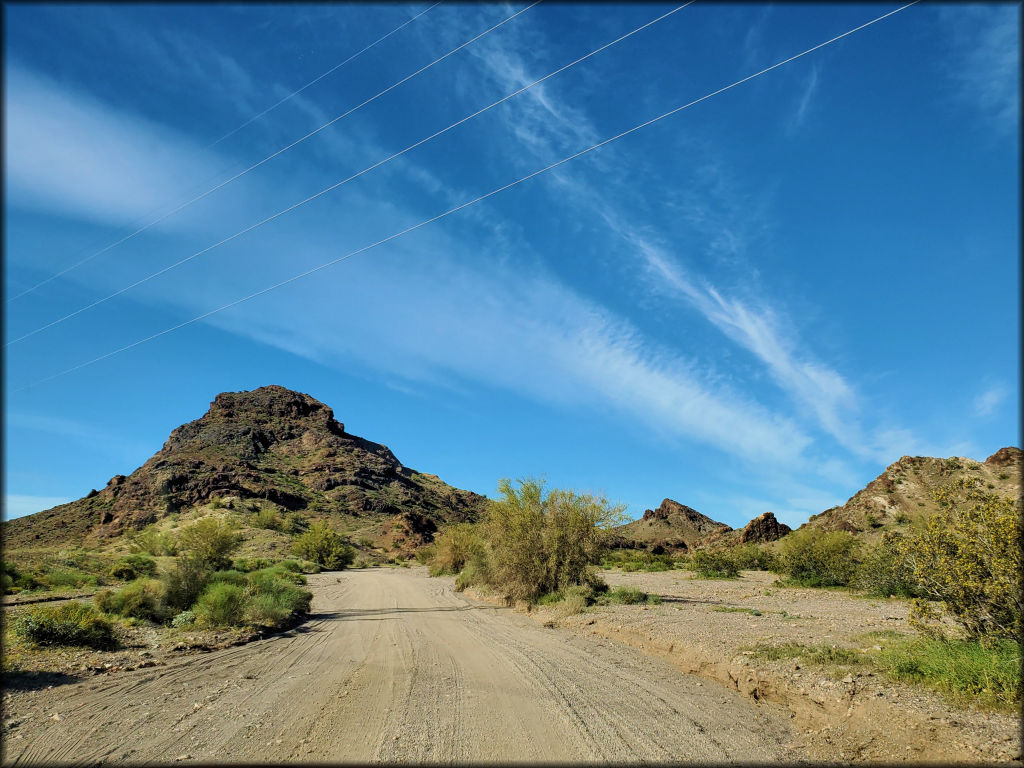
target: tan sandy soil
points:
(846, 714)
(395, 666)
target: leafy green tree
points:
(210, 541)
(538, 544)
(324, 546)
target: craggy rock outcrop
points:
(672, 527)
(269, 444)
(763, 528)
(1005, 457)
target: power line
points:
(460, 207)
(275, 154)
(317, 79)
(344, 181)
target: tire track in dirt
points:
(394, 666)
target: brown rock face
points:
(764, 528)
(670, 527)
(270, 444)
(1004, 457)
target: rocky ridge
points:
(271, 445)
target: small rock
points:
(848, 679)
(56, 718)
(183, 757)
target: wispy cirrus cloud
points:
(990, 399)
(984, 60)
(71, 154)
(803, 106)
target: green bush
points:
(883, 571)
(228, 577)
(155, 542)
(626, 596)
(324, 546)
(752, 557)
(713, 564)
(221, 605)
(66, 577)
(142, 599)
(814, 558)
(247, 564)
(267, 519)
(71, 623)
(537, 544)
(425, 554)
(185, 582)
(968, 558)
(133, 566)
(455, 546)
(271, 600)
(210, 540)
(184, 619)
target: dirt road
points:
(395, 666)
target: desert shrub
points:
(815, 558)
(474, 572)
(184, 619)
(537, 544)
(631, 560)
(752, 557)
(154, 542)
(968, 558)
(455, 546)
(713, 564)
(247, 564)
(883, 572)
(66, 577)
(626, 596)
(324, 546)
(216, 502)
(280, 572)
(141, 599)
(220, 605)
(293, 524)
(133, 566)
(425, 553)
(210, 540)
(16, 581)
(271, 600)
(185, 582)
(227, 576)
(71, 623)
(268, 519)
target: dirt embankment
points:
(395, 666)
(703, 627)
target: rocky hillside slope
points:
(279, 448)
(903, 492)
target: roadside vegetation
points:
(200, 585)
(536, 547)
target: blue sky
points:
(755, 304)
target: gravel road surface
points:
(395, 666)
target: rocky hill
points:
(267, 448)
(903, 492)
(670, 527)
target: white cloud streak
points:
(71, 154)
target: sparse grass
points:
(813, 654)
(963, 670)
(737, 609)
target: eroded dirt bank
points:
(850, 714)
(395, 666)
